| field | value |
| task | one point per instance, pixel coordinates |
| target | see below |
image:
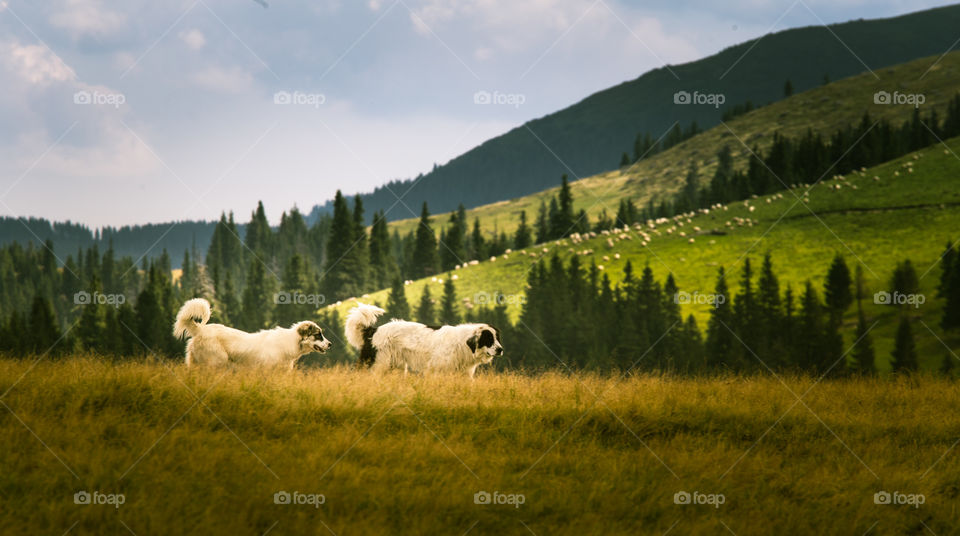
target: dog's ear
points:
(487, 338)
(307, 329)
(472, 343)
(497, 330)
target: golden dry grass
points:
(590, 454)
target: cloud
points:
(223, 80)
(34, 64)
(87, 17)
(193, 38)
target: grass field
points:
(910, 212)
(204, 452)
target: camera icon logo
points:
(82, 97)
(281, 298)
(81, 497)
(681, 298)
(881, 97)
(281, 497)
(681, 97)
(82, 298)
(482, 97)
(881, 497)
(282, 97)
(481, 497)
(681, 497)
(882, 298)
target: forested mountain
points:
(591, 135)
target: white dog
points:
(216, 344)
(415, 347)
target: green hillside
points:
(822, 109)
(590, 135)
(905, 209)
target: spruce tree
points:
(359, 254)
(425, 311)
(425, 261)
(43, 332)
(863, 355)
(91, 327)
(337, 281)
(448, 311)
(787, 88)
(397, 305)
(256, 298)
(522, 238)
(453, 248)
(478, 243)
(383, 264)
(837, 289)
(543, 224)
(904, 357)
(721, 342)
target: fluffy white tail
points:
(194, 314)
(358, 319)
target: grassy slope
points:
(823, 109)
(406, 455)
(903, 215)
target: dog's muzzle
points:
(322, 347)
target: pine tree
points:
(258, 233)
(904, 280)
(809, 343)
(43, 332)
(721, 342)
(543, 225)
(624, 160)
(787, 88)
(478, 243)
(453, 248)
(91, 327)
(256, 298)
(904, 357)
(946, 266)
(837, 289)
(522, 238)
(397, 305)
(425, 312)
(448, 311)
(383, 264)
(951, 309)
(294, 302)
(360, 253)
(338, 271)
(425, 261)
(769, 320)
(863, 355)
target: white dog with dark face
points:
(415, 347)
(216, 344)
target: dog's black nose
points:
(499, 351)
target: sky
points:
(119, 113)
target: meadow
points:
(205, 451)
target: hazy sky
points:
(130, 111)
